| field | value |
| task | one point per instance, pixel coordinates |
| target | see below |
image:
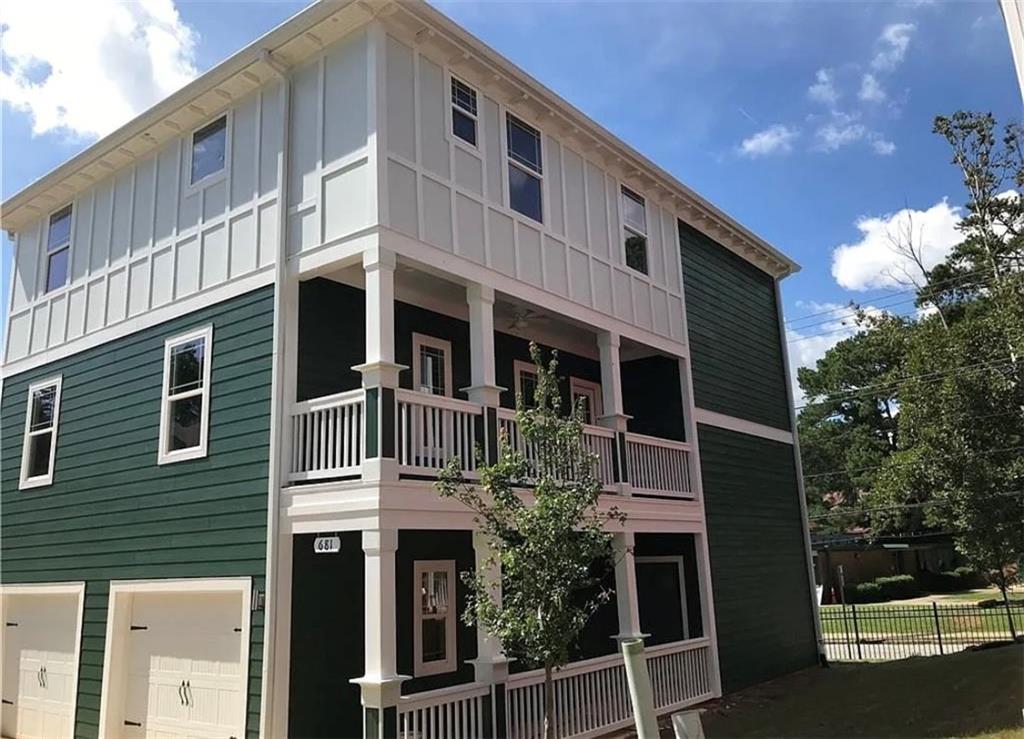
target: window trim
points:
(423, 340)
(474, 149)
(47, 253)
(25, 482)
(164, 456)
(450, 663)
(587, 386)
(222, 173)
(511, 161)
(679, 560)
(634, 195)
(519, 366)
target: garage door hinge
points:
(131, 723)
(11, 623)
(138, 628)
(7, 702)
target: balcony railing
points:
(328, 443)
(590, 697)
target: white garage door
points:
(186, 676)
(39, 648)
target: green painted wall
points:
(734, 333)
(758, 559)
(112, 513)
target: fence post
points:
(938, 626)
(856, 631)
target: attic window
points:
(209, 149)
(464, 111)
(634, 218)
(58, 249)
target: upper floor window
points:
(432, 368)
(434, 615)
(634, 228)
(524, 169)
(185, 409)
(526, 382)
(587, 394)
(39, 447)
(209, 149)
(464, 116)
(58, 249)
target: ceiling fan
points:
(521, 318)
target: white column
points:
(380, 683)
(483, 388)
(379, 368)
(491, 664)
(611, 381)
(625, 587)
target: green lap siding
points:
(758, 557)
(733, 333)
(112, 513)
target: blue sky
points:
(810, 122)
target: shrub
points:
(898, 587)
(865, 592)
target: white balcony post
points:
(625, 587)
(380, 685)
(491, 665)
(380, 373)
(611, 398)
(483, 390)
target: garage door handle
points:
(181, 692)
(188, 692)
(131, 723)
(7, 702)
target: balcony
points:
(328, 442)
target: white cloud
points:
(873, 262)
(839, 133)
(893, 43)
(824, 90)
(871, 90)
(883, 147)
(777, 139)
(85, 68)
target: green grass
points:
(919, 620)
(968, 694)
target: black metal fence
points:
(890, 631)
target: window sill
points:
(36, 482)
(434, 668)
(182, 455)
(208, 181)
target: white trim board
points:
(62, 588)
(742, 426)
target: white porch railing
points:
(598, 440)
(658, 466)
(679, 673)
(327, 437)
(448, 713)
(432, 429)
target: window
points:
(432, 369)
(524, 169)
(464, 111)
(435, 615)
(58, 249)
(209, 149)
(589, 394)
(634, 227)
(40, 444)
(526, 382)
(184, 416)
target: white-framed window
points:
(589, 393)
(634, 230)
(464, 112)
(665, 580)
(431, 365)
(525, 382)
(435, 615)
(525, 169)
(209, 152)
(185, 404)
(58, 249)
(39, 447)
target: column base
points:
(380, 691)
(619, 638)
(379, 374)
(489, 395)
(490, 670)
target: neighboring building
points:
(1013, 14)
(246, 329)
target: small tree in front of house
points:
(552, 547)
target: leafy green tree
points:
(552, 549)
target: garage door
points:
(186, 676)
(39, 646)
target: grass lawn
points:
(967, 695)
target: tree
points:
(553, 549)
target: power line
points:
(904, 506)
(856, 428)
(879, 466)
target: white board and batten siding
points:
(146, 238)
(454, 196)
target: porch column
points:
(625, 587)
(483, 390)
(491, 664)
(380, 373)
(611, 398)
(380, 685)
